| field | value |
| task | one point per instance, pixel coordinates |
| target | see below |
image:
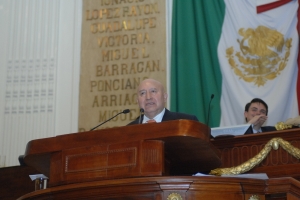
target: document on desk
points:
(229, 130)
(263, 176)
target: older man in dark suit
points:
(152, 99)
(256, 113)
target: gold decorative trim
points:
(248, 165)
(174, 196)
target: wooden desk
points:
(184, 145)
(181, 187)
(278, 163)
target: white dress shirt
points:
(256, 131)
(157, 118)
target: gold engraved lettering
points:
(125, 69)
(127, 100)
(94, 28)
(134, 38)
(113, 2)
(106, 55)
(125, 25)
(98, 71)
(140, 67)
(128, 25)
(152, 21)
(138, 10)
(147, 9)
(95, 102)
(121, 32)
(92, 15)
(134, 53)
(144, 53)
(107, 13)
(125, 11)
(132, 11)
(114, 100)
(101, 13)
(123, 40)
(122, 1)
(104, 115)
(114, 85)
(117, 54)
(104, 101)
(93, 85)
(117, 13)
(115, 70)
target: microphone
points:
(124, 111)
(211, 97)
(141, 112)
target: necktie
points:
(151, 121)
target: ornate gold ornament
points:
(248, 165)
(254, 197)
(174, 196)
(259, 57)
(282, 126)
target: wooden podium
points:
(154, 161)
(171, 148)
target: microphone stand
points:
(124, 111)
(141, 112)
(211, 97)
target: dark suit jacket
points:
(169, 116)
(263, 128)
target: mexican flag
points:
(234, 51)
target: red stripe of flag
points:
(269, 6)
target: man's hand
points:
(258, 121)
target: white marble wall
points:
(40, 61)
